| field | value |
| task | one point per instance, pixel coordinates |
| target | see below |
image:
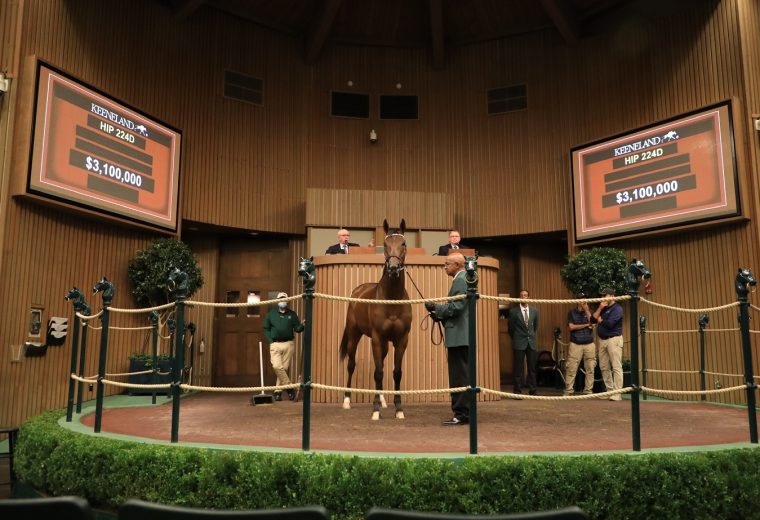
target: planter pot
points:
(164, 365)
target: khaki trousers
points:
(575, 353)
(280, 354)
(611, 363)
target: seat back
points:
(568, 513)
(140, 510)
(60, 508)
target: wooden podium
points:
(424, 364)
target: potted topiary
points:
(148, 274)
(593, 269)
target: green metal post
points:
(72, 382)
(108, 292)
(79, 306)
(82, 360)
(178, 281)
(306, 272)
(643, 331)
(153, 317)
(743, 280)
(471, 277)
(704, 319)
(636, 271)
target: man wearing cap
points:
(581, 347)
(279, 328)
(609, 328)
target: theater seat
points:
(140, 510)
(60, 508)
(568, 513)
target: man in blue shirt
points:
(609, 328)
(581, 347)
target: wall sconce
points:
(757, 123)
(373, 136)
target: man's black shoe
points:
(534, 392)
(455, 421)
(278, 396)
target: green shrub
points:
(149, 270)
(593, 269)
(714, 485)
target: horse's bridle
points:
(402, 264)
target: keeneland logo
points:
(643, 144)
(118, 119)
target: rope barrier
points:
(673, 371)
(722, 374)
(583, 397)
(146, 309)
(390, 302)
(194, 303)
(240, 389)
(568, 301)
(390, 392)
(672, 393)
(88, 318)
(696, 311)
(691, 330)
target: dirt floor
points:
(503, 426)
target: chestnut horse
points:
(381, 322)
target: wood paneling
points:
(424, 364)
(365, 208)
(249, 167)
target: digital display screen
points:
(97, 153)
(672, 173)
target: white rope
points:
(673, 371)
(696, 311)
(390, 302)
(243, 304)
(390, 392)
(567, 301)
(88, 318)
(673, 393)
(519, 397)
(146, 309)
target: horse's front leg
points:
(379, 351)
(398, 357)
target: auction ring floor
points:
(504, 427)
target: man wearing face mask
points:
(279, 328)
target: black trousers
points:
(458, 361)
(519, 358)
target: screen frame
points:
(674, 223)
(95, 208)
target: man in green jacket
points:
(279, 328)
(455, 318)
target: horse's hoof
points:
(375, 416)
(382, 401)
(400, 415)
(346, 403)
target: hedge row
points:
(720, 484)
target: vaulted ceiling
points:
(437, 25)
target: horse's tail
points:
(343, 351)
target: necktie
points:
(455, 246)
(525, 314)
(345, 249)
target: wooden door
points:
(249, 268)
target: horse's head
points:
(743, 280)
(77, 296)
(636, 271)
(106, 287)
(74, 294)
(395, 249)
(177, 283)
(306, 271)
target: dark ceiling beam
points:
(436, 33)
(319, 29)
(185, 8)
(565, 20)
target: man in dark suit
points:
(341, 248)
(454, 238)
(455, 317)
(523, 324)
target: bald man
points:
(341, 248)
(455, 318)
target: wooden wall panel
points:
(368, 208)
